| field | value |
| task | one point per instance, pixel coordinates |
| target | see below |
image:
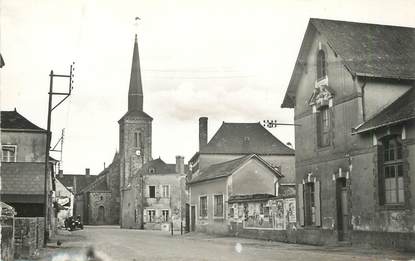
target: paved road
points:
(112, 243)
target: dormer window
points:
(246, 140)
(152, 170)
(321, 65)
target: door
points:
(193, 217)
(342, 210)
(101, 215)
(187, 218)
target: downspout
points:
(363, 101)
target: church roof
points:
(78, 181)
(245, 138)
(402, 109)
(367, 50)
(16, 121)
(227, 168)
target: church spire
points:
(135, 92)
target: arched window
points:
(321, 65)
(391, 171)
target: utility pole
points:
(49, 135)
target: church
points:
(135, 191)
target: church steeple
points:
(135, 92)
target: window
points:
(135, 139)
(310, 206)
(151, 216)
(203, 206)
(8, 153)
(165, 215)
(152, 191)
(218, 206)
(151, 170)
(166, 191)
(323, 126)
(392, 179)
(321, 65)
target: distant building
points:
(234, 140)
(240, 159)
(23, 147)
(64, 199)
(353, 94)
(164, 195)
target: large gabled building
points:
(352, 90)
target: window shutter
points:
(301, 203)
(317, 202)
(159, 189)
(146, 191)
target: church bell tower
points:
(135, 138)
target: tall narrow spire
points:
(135, 92)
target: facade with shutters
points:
(353, 95)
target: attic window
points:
(321, 65)
(152, 170)
(246, 139)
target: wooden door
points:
(342, 210)
(101, 215)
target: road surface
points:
(112, 243)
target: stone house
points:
(164, 193)
(23, 167)
(211, 189)
(99, 201)
(352, 90)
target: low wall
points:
(29, 236)
(7, 238)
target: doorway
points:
(342, 209)
(193, 217)
(187, 218)
(101, 215)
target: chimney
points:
(203, 132)
(60, 173)
(180, 164)
(87, 171)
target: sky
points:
(227, 60)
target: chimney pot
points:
(87, 171)
(203, 132)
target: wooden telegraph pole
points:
(49, 135)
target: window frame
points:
(324, 127)
(201, 207)
(309, 204)
(395, 163)
(151, 220)
(215, 214)
(163, 217)
(149, 191)
(321, 65)
(163, 191)
(8, 157)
